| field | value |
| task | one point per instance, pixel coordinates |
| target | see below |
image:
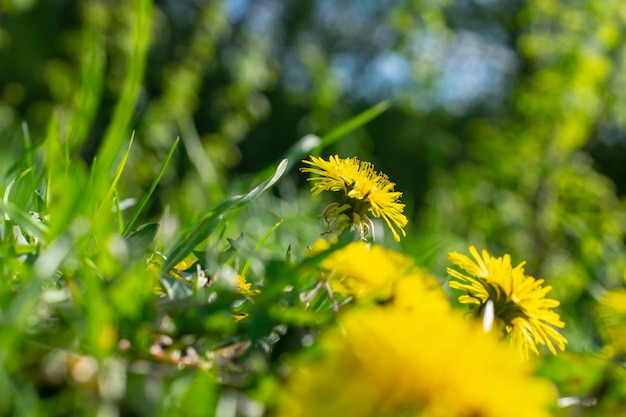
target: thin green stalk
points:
(118, 129)
(144, 200)
(28, 145)
(118, 210)
(246, 267)
(116, 177)
(92, 70)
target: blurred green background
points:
(506, 129)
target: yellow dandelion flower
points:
(418, 290)
(244, 287)
(364, 191)
(611, 315)
(369, 272)
(186, 263)
(518, 301)
(364, 270)
(239, 316)
(387, 361)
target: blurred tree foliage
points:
(507, 128)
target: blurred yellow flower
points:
(364, 270)
(611, 314)
(518, 301)
(365, 190)
(418, 290)
(244, 287)
(389, 361)
(371, 272)
(186, 263)
(239, 316)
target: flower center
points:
(348, 212)
(505, 307)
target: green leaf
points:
(140, 239)
(24, 220)
(16, 179)
(207, 226)
(246, 267)
(220, 257)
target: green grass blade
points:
(92, 66)
(118, 211)
(205, 167)
(68, 192)
(7, 190)
(140, 239)
(118, 129)
(23, 219)
(246, 267)
(209, 223)
(116, 177)
(139, 208)
(27, 160)
(28, 145)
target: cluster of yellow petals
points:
(364, 190)
(520, 302)
(397, 361)
(611, 314)
(244, 287)
(364, 271)
(370, 272)
(401, 350)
